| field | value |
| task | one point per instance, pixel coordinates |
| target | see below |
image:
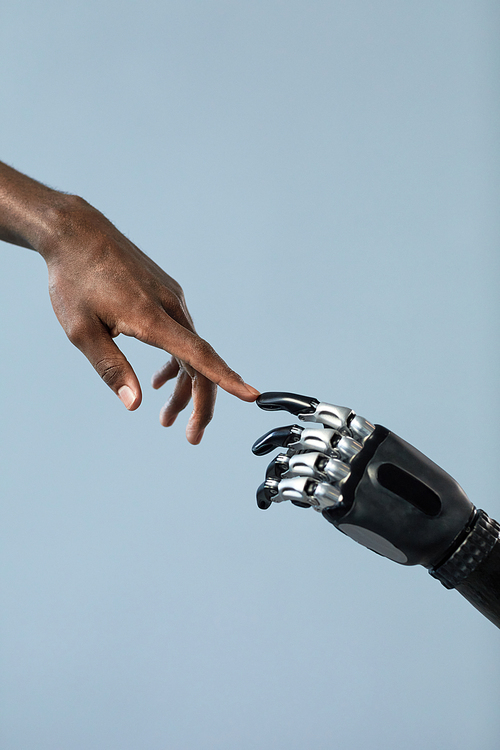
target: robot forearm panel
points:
(375, 487)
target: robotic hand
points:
(376, 488)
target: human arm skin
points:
(101, 285)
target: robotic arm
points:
(383, 493)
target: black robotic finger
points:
(301, 491)
(295, 438)
(308, 409)
(268, 491)
(277, 438)
(277, 467)
(318, 466)
(291, 402)
(264, 496)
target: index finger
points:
(188, 347)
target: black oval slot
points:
(409, 488)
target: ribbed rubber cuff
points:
(473, 550)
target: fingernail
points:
(126, 395)
(252, 390)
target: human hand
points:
(102, 285)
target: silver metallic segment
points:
(283, 461)
(292, 488)
(336, 470)
(342, 419)
(317, 466)
(361, 428)
(306, 465)
(272, 485)
(317, 461)
(327, 496)
(347, 448)
(319, 495)
(329, 415)
(314, 439)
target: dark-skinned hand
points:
(101, 285)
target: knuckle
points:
(143, 309)
(206, 354)
(170, 286)
(77, 332)
(175, 310)
(203, 349)
(176, 288)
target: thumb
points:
(112, 365)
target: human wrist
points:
(33, 215)
(58, 221)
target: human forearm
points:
(29, 211)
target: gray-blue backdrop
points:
(322, 178)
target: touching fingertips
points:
(252, 391)
(246, 392)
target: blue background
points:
(322, 179)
